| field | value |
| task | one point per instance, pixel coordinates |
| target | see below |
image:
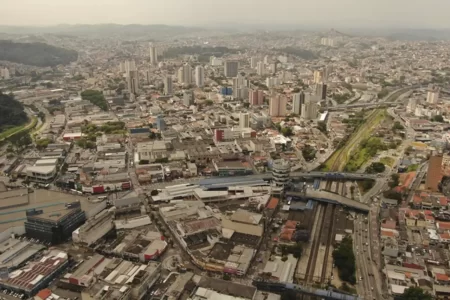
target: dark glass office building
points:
(54, 227)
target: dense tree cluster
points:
(95, 97)
(344, 259)
(416, 293)
(36, 54)
(375, 167)
(11, 112)
(309, 153)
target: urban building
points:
(277, 106)
(132, 77)
(281, 170)
(153, 55)
(199, 76)
(231, 68)
(309, 108)
(260, 68)
(54, 227)
(321, 90)
(253, 62)
(94, 228)
(160, 123)
(168, 88)
(318, 75)
(256, 97)
(244, 120)
(327, 42)
(188, 98)
(433, 94)
(298, 100)
(412, 105)
(185, 74)
(37, 274)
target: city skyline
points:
(329, 13)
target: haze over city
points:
(332, 13)
(224, 150)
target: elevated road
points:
(279, 287)
(329, 197)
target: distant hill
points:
(36, 54)
(108, 30)
(11, 112)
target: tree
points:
(397, 126)
(154, 193)
(438, 118)
(309, 153)
(96, 98)
(209, 102)
(286, 131)
(395, 180)
(367, 184)
(322, 126)
(416, 293)
(375, 167)
(344, 259)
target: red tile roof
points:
(290, 224)
(273, 203)
(44, 294)
(441, 277)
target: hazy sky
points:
(333, 13)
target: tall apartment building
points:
(309, 108)
(260, 68)
(231, 68)
(188, 98)
(318, 76)
(185, 74)
(131, 75)
(253, 62)
(244, 120)
(321, 90)
(433, 94)
(256, 97)
(199, 76)
(412, 105)
(297, 103)
(168, 88)
(153, 55)
(277, 106)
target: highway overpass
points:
(280, 287)
(362, 105)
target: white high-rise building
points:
(260, 68)
(199, 76)
(309, 108)
(131, 74)
(153, 55)
(412, 104)
(433, 94)
(130, 65)
(297, 102)
(277, 106)
(122, 67)
(168, 89)
(188, 98)
(266, 60)
(253, 62)
(231, 68)
(185, 74)
(5, 73)
(244, 120)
